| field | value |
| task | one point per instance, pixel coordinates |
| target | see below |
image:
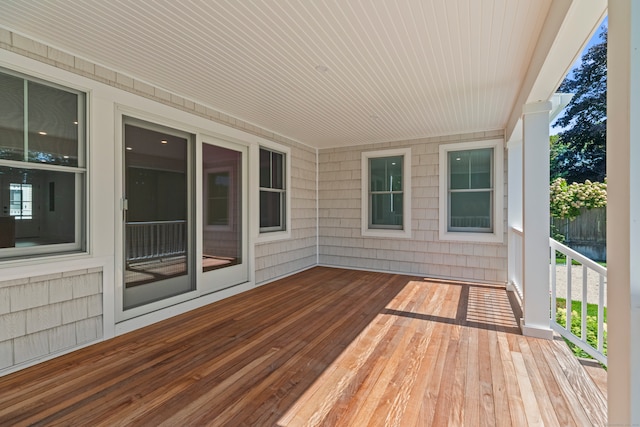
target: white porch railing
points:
(153, 240)
(515, 260)
(587, 295)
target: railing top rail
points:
(554, 244)
(179, 221)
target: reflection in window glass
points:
(53, 125)
(11, 117)
(28, 194)
(158, 248)
(218, 198)
(20, 201)
(222, 236)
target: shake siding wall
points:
(273, 259)
(43, 315)
(341, 241)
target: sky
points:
(594, 40)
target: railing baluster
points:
(601, 315)
(568, 300)
(154, 240)
(554, 303)
(583, 324)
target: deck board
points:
(325, 347)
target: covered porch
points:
(327, 86)
(326, 346)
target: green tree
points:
(579, 153)
(558, 152)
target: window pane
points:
(471, 210)
(265, 168)
(480, 161)
(218, 199)
(277, 169)
(386, 209)
(27, 192)
(394, 167)
(470, 169)
(386, 173)
(21, 202)
(459, 170)
(222, 245)
(157, 238)
(271, 204)
(53, 125)
(378, 175)
(11, 117)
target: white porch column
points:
(623, 212)
(535, 220)
(514, 220)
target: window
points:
(218, 198)
(386, 195)
(471, 191)
(20, 201)
(272, 191)
(42, 166)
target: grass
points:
(576, 319)
(561, 260)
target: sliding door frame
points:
(216, 280)
(204, 132)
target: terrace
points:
(323, 347)
(277, 142)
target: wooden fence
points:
(587, 234)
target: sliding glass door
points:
(223, 215)
(157, 217)
(184, 216)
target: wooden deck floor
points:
(324, 347)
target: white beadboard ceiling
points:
(395, 69)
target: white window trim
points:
(405, 233)
(82, 244)
(498, 200)
(270, 236)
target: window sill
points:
(381, 232)
(461, 236)
(272, 236)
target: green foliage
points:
(566, 200)
(579, 152)
(558, 237)
(558, 153)
(576, 324)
